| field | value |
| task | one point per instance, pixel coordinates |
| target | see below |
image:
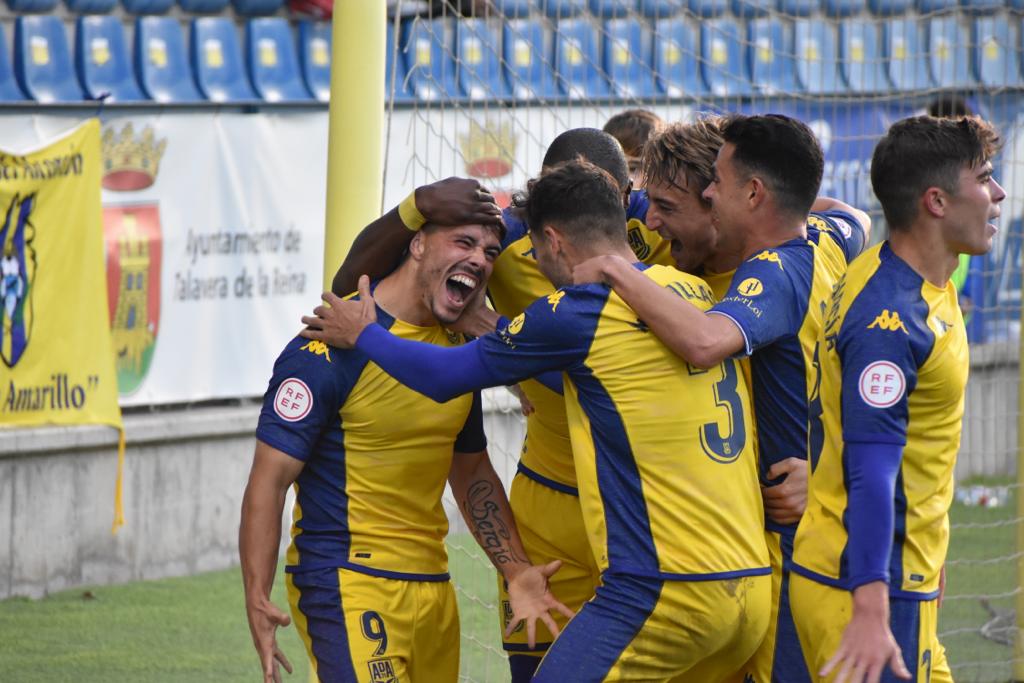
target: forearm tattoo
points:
(488, 524)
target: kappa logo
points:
(889, 321)
(555, 299)
(318, 348)
(750, 287)
(382, 671)
(293, 400)
(637, 242)
(770, 257)
(817, 222)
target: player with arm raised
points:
(666, 473)
(367, 568)
(778, 264)
(893, 364)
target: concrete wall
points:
(185, 472)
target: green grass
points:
(194, 629)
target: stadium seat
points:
(1017, 5)
(772, 68)
(90, 6)
(724, 61)
(527, 65)
(949, 52)
(42, 60)
(658, 9)
(429, 59)
(676, 46)
(627, 58)
(860, 57)
(9, 90)
(147, 6)
(577, 63)
(708, 9)
(562, 9)
(817, 58)
(799, 8)
(256, 8)
(889, 8)
(217, 61)
(840, 9)
(981, 6)
(477, 59)
(934, 6)
(903, 47)
(31, 6)
(394, 62)
(202, 6)
(609, 9)
(161, 61)
(272, 61)
(101, 56)
(513, 9)
(995, 51)
(315, 57)
(752, 9)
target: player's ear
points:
(417, 245)
(934, 202)
(756, 192)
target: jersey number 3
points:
(725, 447)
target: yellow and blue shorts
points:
(550, 523)
(365, 629)
(822, 613)
(779, 659)
(640, 629)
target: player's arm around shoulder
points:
(676, 319)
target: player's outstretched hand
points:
(531, 599)
(457, 201)
(868, 645)
(264, 618)
(339, 322)
(785, 502)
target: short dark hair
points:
(949, 106)
(578, 198)
(684, 149)
(922, 152)
(633, 128)
(783, 152)
(596, 146)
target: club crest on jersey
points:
(770, 257)
(318, 348)
(517, 323)
(453, 337)
(750, 287)
(882, 384)
(293, 400)
(555, 299)
(382, 671)
(889, 321)
(637, 242)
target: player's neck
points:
(925, 252)
(772, 231)
(399, 295)
(604, 249)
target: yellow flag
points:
(56, 355)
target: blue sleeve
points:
(763, 300)
(843, 229)
(515, 226)
(472, 439)
(306, 391)
(871, 472)
(637, 208)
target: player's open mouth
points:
(460, 286)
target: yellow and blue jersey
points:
(777, 299)
(894, 359)
(515, 283)
(376, 454)
(666, 472)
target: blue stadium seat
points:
(477, 59)
(772, 67)
(843, 8)
(609, 9)
(799, 8)
(903, 47)
(658, 9)
(217, 61)
(394, 63)
(889, 8)
(272, 60)
(933, 6)
(256, 8)
(577, 62)
(513, 9)
(527, 64)
(90, 6)
(1017, 5)
(102, 59)
(724, 61)
(676, 50)
(949, 52)
(429, 59)
(981, 6)
(203, 6)
(161, 61)
(996, 54)
(562, 9)
(708, 9)
(42, 60)
(817, 57)
(147, 6)
(315, 57)
(9, 90)
(752, 9)
(860, 57)
(627, 57)
(32, 6)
